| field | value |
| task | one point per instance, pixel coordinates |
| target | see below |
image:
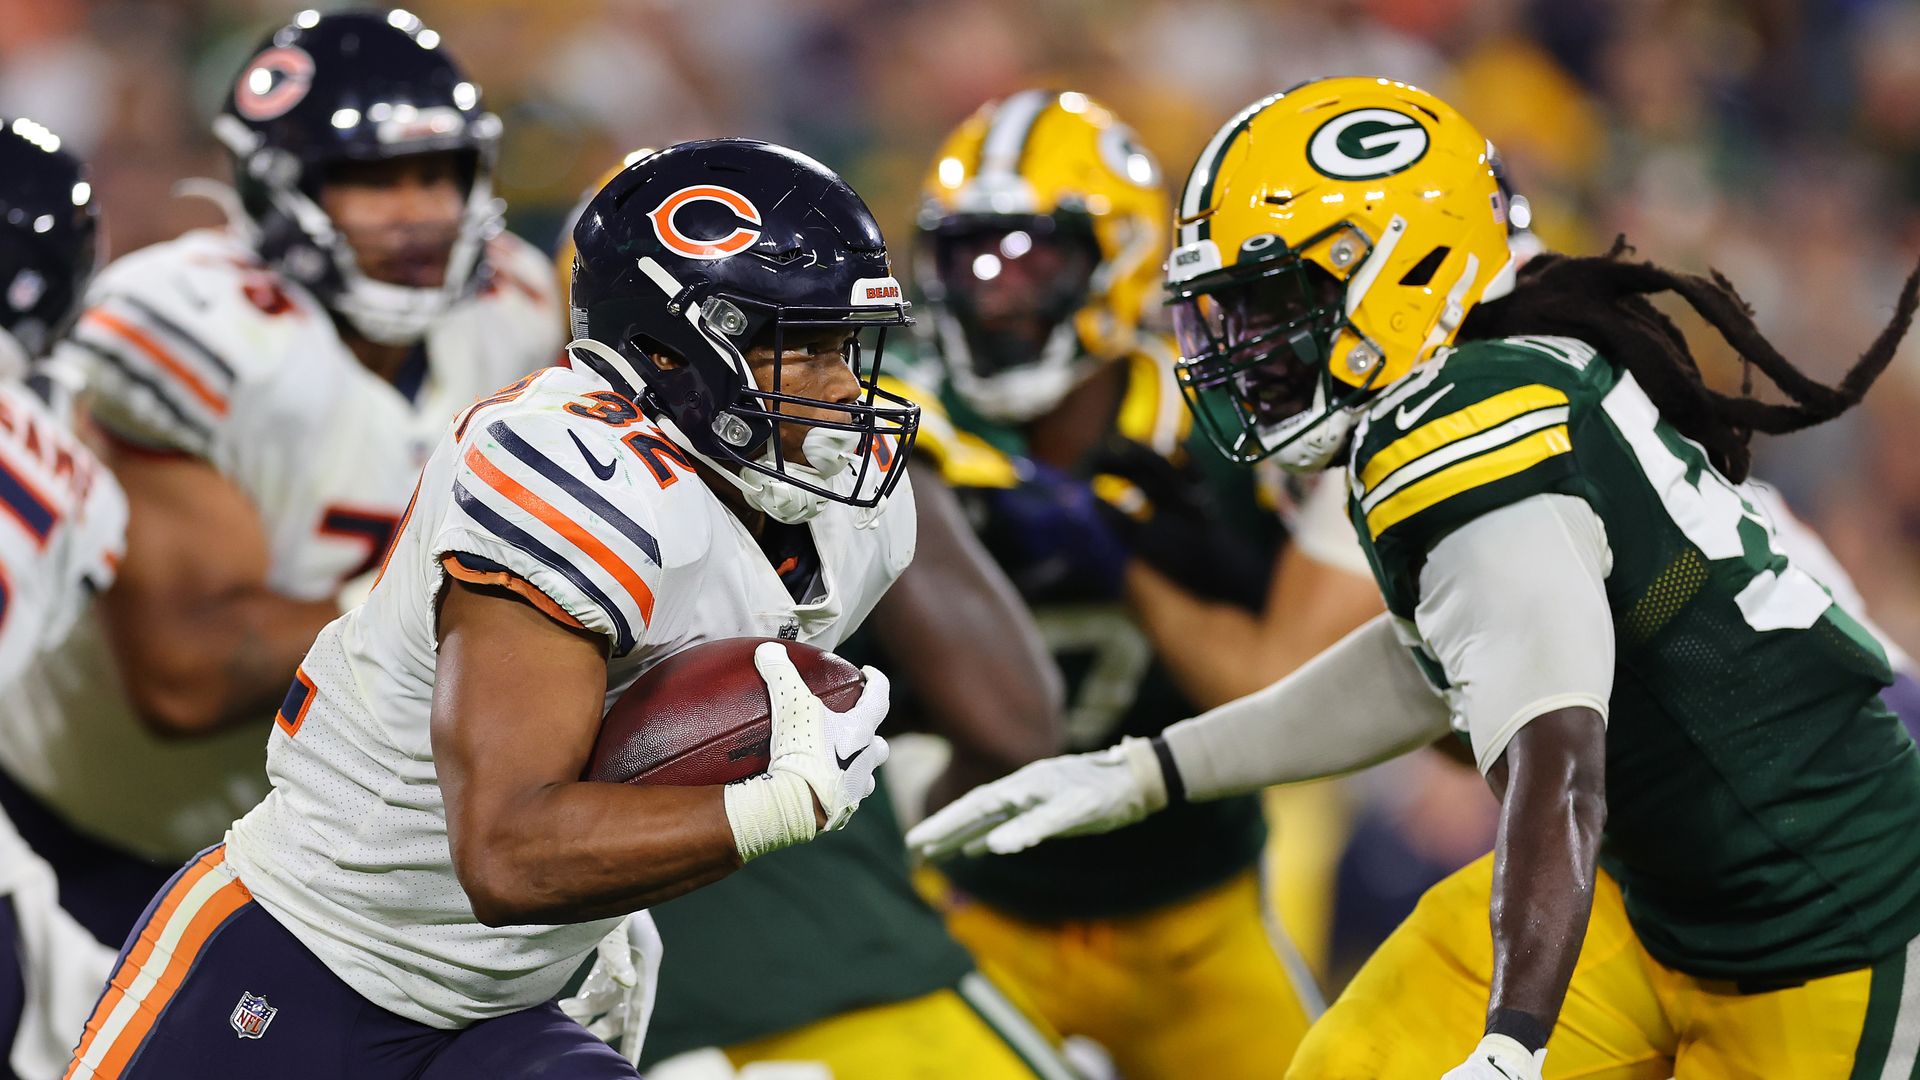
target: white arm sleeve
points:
(1513, 606)
(1361, 701)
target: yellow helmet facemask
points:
(1330, 239)
(1042, 225)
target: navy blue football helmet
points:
(356, 86)
(701, 251)
(49, 235)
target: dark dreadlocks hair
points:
(1602, 300)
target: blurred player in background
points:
(1043, 228)
(1549, 496)
(62, 526)
(269, 391)
(826, 954)
(428, 869)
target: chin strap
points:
(786, 503)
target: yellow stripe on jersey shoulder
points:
(1515, 457)
(1457, 425)
(964, 459)
(1152, 410)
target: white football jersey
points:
(195, 347)
(63, 524)
(556, 484)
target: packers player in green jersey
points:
(1708, 862)
(1043, 226)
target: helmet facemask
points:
(1256, 342)
(850, 449)
(1007, 291)
(297, 234)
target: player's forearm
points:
(1219, 652)
(1552, 813)
(197, 666)
(1211, 649)
(1360, 702)
(580, 851)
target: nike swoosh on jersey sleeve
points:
(590, 553)
(1476, 444)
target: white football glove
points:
(1499, 1057)
(816, 754)
(1062, 796)
(616, 1000)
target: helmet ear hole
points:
(1423, 271)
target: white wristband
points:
(1147, 774)
(768, 813)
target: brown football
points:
(701, 715)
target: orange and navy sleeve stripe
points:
(598, 554)
(24, 503)
(190, 913)
(477, 570)
(293, 710)
(155, 355)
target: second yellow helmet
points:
(1043, 223)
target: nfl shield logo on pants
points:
(251, 1017)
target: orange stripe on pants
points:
(167, 967)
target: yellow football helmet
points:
(1330, 238)
(1043, 222)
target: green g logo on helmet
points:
(1366, 144)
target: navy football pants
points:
(210, 985)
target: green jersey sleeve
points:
(1489, 425)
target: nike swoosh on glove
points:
(1062, 796)
(816, 753)
(1499, 1057)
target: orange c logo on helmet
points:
(735, 242)
(276, 81)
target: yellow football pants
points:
(1195, 989)
(971, 1032)
(1417, 1008)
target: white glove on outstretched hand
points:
(616, 1000)
(1062, 796)
(1499, 1057)
(816, 753)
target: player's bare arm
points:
(517, 703)
(998, 701)
(1220, 652)
(1552, 787)
(202, 643)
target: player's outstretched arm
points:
(1321, 589)
(202, 643)
(1360, 702)
(998, 698)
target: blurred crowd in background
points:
(1775, 140)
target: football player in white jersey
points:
(270, 391)
(62, 523)
(428, 869)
